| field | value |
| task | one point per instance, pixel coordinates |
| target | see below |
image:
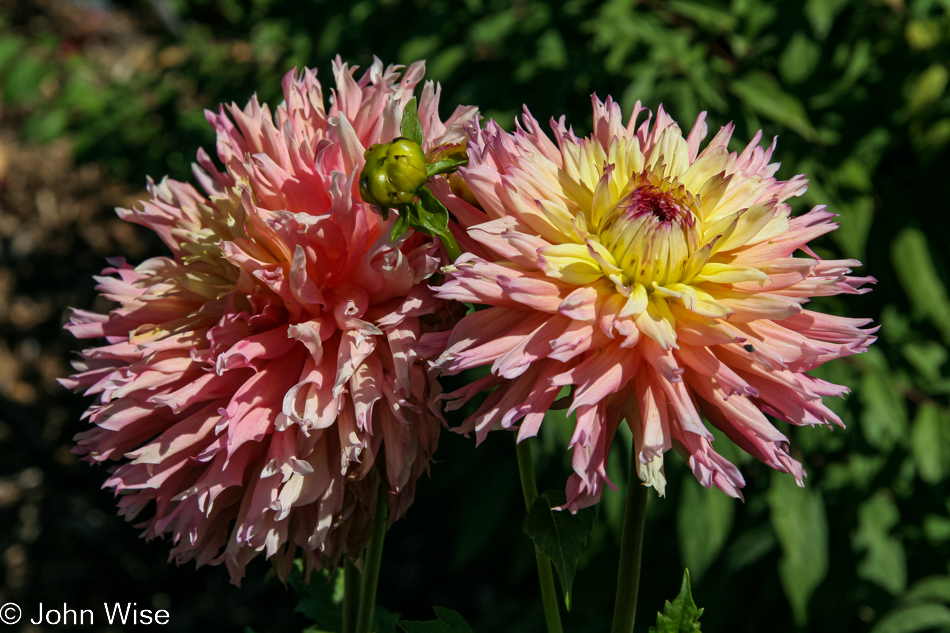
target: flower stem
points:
(552, 614)
(351, 593)
(631, 547)
(371, 562)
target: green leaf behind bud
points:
(401, 225)
(411, 126)
(433, 218)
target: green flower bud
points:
(393, 173)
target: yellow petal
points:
(571, 263)
(729, 274)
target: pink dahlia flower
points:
(249, 382)
(655, 279)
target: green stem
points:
(631, 547)
(552, 614)
(371, 562)
(351, 593)
(451, 246)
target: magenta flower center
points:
(662, 205)
(651, 233)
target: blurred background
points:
(94, 95)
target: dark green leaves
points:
(763, 94)
(401, 225)
(922, 608)
(884, 562)
(560, 535)
(320, 599)
(411, 126)
(703, 520)
(918, 276)
(681, 615)
(930, 442)
(433, 216)
(798, 517)
(428, 216)
(447, 621)
(920, 617)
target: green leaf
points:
(703, 520)
(492, 29)
(857, 472)
(934, 138)
(923, 34)
(884, 563)
(936, 529)
(447, 621)
(884, 413)
(446, 158)
(931, 589)
(798, 518)
(401, 225)
(680, 616)
(444, 166)
(320, 599)
(927, 88)
(384, 621)
(921, 617)
(930, 442)
(856, 217)
(927, 357)
(411, 126)
(910, 255)
(420, 47)
(763, 94)
(799, 59)
(552, 53)
(705, 15)
(432, 217)
(749, 547)
(10, 47)
(46, 127)
(21, 84)
(559, 534)
(821, 14)
(446, 61)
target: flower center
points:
(663, 205)
(651, 232)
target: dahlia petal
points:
(575, 340)
(538, 293)
(599, 376)
(580, 305)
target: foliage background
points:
(94, 95)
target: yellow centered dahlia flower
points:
(656, 280)
(250, 381)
